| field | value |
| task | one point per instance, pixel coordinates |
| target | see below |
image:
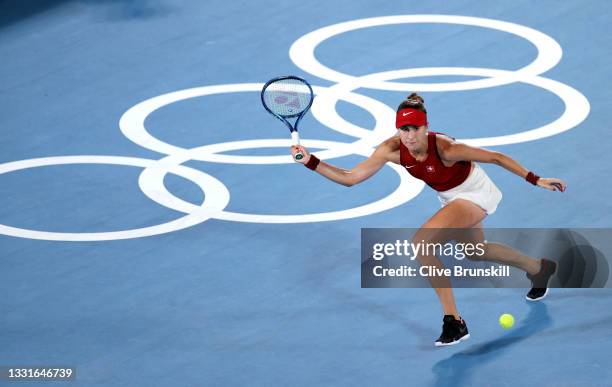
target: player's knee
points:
(425, 246)
(428, 236)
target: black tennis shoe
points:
(453, 331)
(539, 281)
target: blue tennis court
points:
(154, 230)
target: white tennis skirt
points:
(477, 188)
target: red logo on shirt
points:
(430, 168)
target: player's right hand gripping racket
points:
(288, 97)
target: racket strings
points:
(287, 97)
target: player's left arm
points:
(450, 150)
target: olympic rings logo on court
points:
(217, 197)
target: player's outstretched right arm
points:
(359, 173)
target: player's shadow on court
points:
(459, 367)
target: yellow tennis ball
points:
(506, 320)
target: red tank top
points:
(431, 170)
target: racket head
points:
(287, 97)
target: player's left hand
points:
(552, 184)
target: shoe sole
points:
(452, 342)
(539, 298)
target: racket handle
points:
(295, 137)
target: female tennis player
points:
(466, 192)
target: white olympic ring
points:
(217, 197)
(549, 52)
(151, 180)
(132, 125)
(576, 105)
(152, 184)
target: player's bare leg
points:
(539, 270)
(458, 214)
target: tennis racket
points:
(288, 97)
